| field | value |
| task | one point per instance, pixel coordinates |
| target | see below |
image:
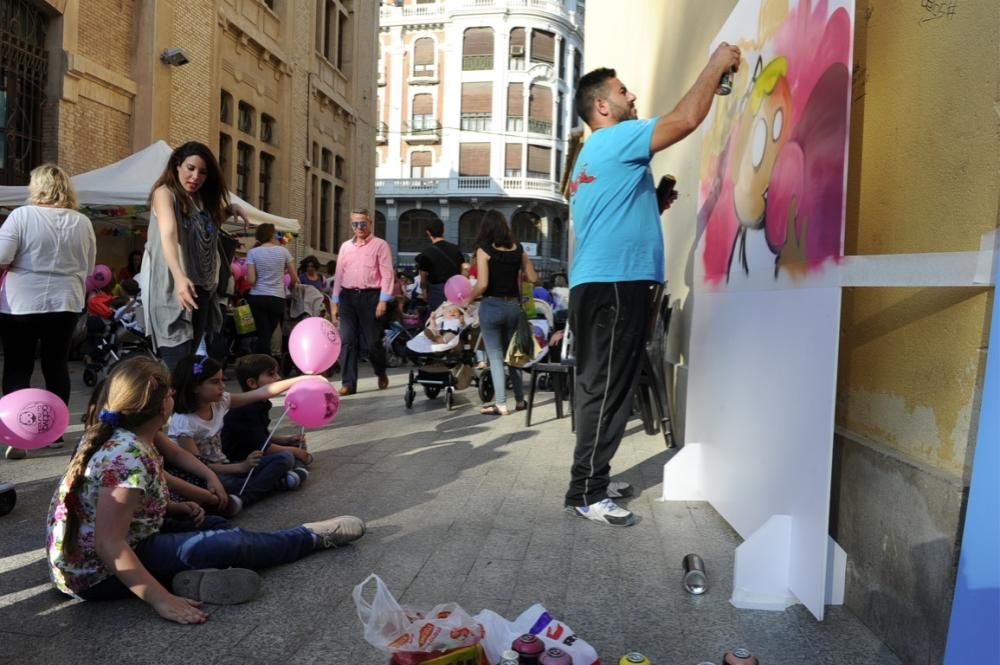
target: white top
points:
(269, 261)
(50, 252)
(206, 433)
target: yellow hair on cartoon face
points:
(766, 82)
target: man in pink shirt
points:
(362, 287)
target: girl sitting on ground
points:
(199, 415)
(104, 524)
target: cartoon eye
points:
(759, 139)
(776, 124)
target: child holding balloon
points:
(199, 413)
(105, 537)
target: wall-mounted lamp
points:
(174, 56)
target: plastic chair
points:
(562, 374)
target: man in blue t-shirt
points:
(618, 261)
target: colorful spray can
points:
(740, 657)
(509, 657)
(725, 84)
(555, 656)
(695, 579)
(529, 648)
(633, 658)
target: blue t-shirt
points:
(616, 218)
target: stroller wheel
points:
(432, 391)
(89, 377)
(486, 388)
(409, 396)
(449, 397)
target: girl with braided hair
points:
(104, 525)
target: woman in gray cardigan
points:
(180, 265)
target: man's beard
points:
(623, 113)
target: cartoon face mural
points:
(774, 157)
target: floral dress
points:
(123, 461)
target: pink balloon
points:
(457, 289)
(314, 345)
(312, 403)
(287, 280)
(238, 268)
(32, 418)
(101, 275)
(89, 283)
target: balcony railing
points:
(539, 126)
(422, 134)
(483, 185)
(476, 122)
(515, 124)
(444, 6)
(473, 63)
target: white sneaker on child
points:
(302, 473)
(292, 480)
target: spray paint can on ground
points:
(529, 648)
(555, 656)
(725, 84)
(509, 657)
(695, 578)
(633, 658)
(740, 657)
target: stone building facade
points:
(282, 90)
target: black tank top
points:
(504, 267)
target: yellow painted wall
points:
(924, 177)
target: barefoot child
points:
(104, 525)
(199, 412)
(246, 428)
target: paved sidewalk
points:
(460, 507)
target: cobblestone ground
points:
(460, 507)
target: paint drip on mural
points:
(774, 158)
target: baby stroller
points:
(110, 341)
(439, 366)
(397, 334)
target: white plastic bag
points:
(392, 628)
(536, 620)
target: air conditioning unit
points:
(517, 50)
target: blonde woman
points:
(47, 249)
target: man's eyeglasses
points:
(359, 225)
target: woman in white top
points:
(47, 249)
(267, 265)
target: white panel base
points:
(682, 475)
(836, 572)
(760, 573)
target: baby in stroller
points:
(443, 353)
(446, 324)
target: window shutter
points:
(478, 41)
(543, 46)
(474, 159)
(517, 37)
(514, 156)
(423, 51)
(422, 158)
(540, 106)
(515, 100)
(477, 97)
(539, 159)
(423, 105)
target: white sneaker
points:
(14, 453)
(605, 511)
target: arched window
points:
(423, 57)
(526, 226)
(557, 234)
(477, 49)
(411, 229)
(468, 226)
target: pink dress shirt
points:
(367, 266)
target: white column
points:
(394, 121)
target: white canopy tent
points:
(127, 183)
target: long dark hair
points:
(134, 391)
(213, 193)
(494, 230)
(191, 372)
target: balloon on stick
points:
(314, 345)
(312, 403)
(32, 418)
(457, 289)
(101, 275)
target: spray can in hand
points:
(725, 84)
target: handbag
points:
(523, 347)
(243, 318)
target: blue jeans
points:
(166, 554)
(498, 321)
(267, 477)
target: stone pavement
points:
(460, 507)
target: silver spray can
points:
(725, 84)
(695, 578)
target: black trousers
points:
(609, 322)
(171, 355)
(21, 333)
(268, 313)
(357, 323)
